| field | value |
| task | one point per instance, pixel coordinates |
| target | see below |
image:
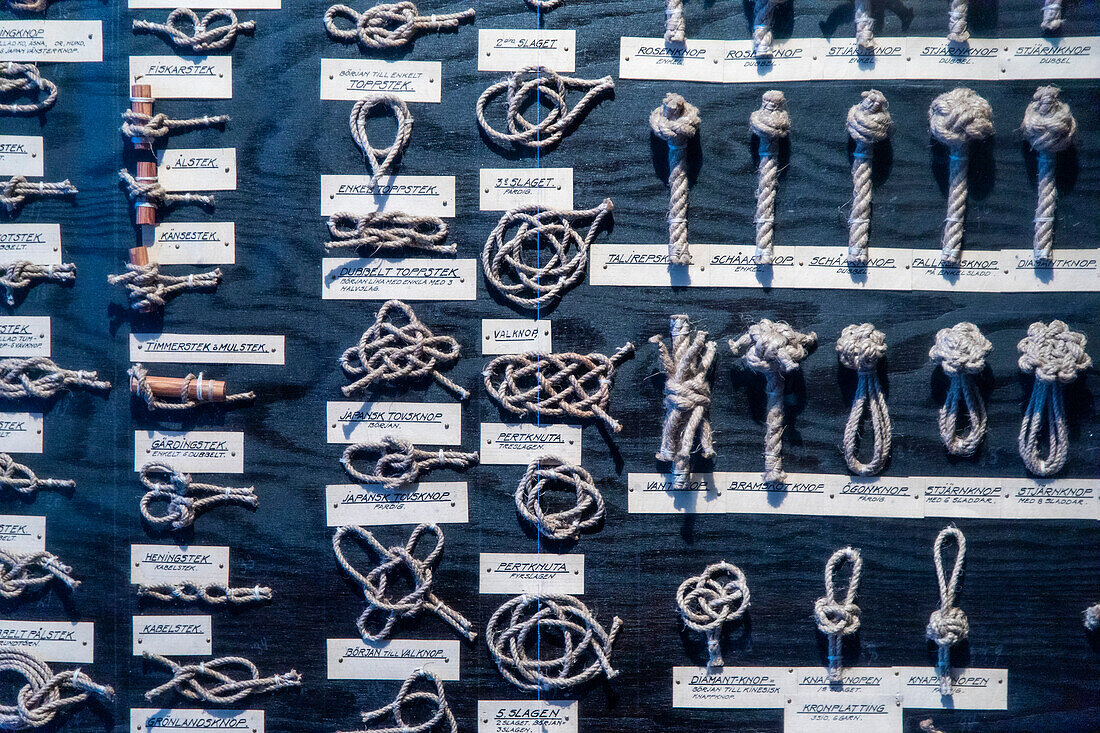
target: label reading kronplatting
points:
(185, 636)
(424, 423)
(170, 564)
(507, 188)
(513, 50)
(728, 687)
(409, 279)
(527, 716)
(184, 77)
(514, 573)
(393, 659)
(515, 335)
(198, 348)
(191, 450)
(38, 243)
(197, 169)
(24, 336)
(521, 443)
(194, 243)
(21, 155)
(51, 40)
(22, 534)
(350, 80)
(441, 502)
(873, 714)
(51, 641)
(164, 720)
(21, 432)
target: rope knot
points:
(948, 626)
(389, 25)
(547, 473)
(165, 484)
(861, 346)
(710, 600)
(960, 116)
(184, 29)
(150, 290)
(25, 79)
(869, 122)
(837, 619)
(40, 700)
(1049, 125)
(41, 378)
(773, 346)
(687, 366)
(17, 190)
(772, 120)
(20, 572)
(400, 463)
(675, 121)
(960, 349)
(1053, 352)
(222, 688)
(430, 705)
(381, 160)
(22, 479)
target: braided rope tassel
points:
(40, 377)
(869, 123)
(381, 160)
(150, 290)
(40, 700)
(837, 620)
(402, 464)
(20, 572)
(388, 231)
(15, 191)
(212, 594)
(545, 473)
(17, 477)
(1050, 128)
(22, 275)
(961, 351)
(165, 483)
(203, 37)
(435, 701)
(709, 601)
(770, 123)
(140, 375)
(675, 28)
(948, 624)
(860, 347)
(186, 680)
(389, 25)
(140, 125)
(676, 121)
(762, 38)
(957, 32)
(18, 78)
(687, 397)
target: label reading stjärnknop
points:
(21, 155)
(51, 40)
(503, 189)
(37, 243)
(1064, 498)
(951, 496)
(514, 573)
(184, 77)
(194, 243)
(197, 451)
(171, 564)
(515, 336)
(174, 720)
(408, 279)
(21, 432)
(441, 502)
(24, 336)
(517, 49)
(197, 169)
(178, 348)
(521, 443)
(527, 716)
(422, 423)
(22, 534)
(51, 641)
(392, 659)
(185, 636)
(728, 687)
(350, 80)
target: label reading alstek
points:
(197, 169)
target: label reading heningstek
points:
(185, 636)
(371, 504)
(21, 155)
(184, 77)
(194, 243)
(155, 720)
(199, 451)
(527, 716)
(350, 80)
(728, 687)
(393, 659)
(37, 243)
(21, 432)
(513, 573)
(24, 336)
(170, 564)
(422, 423)
(513, 50)
(197, 169)
(22, 534)
(51, 40)
(197, 348)
(51, 641)
(506, 188)
(521, 443)
(515, 336)
(408, 279)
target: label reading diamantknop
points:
(728, 687)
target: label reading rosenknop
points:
(22, 534)
(437, 501)
(184, 77)
(170, 564)
(393, 659)
(194, 243)
(24, 336)
(51, 641)
(38, 243)
(971, 689)
(514, 573)
(198, 348)
(527, 716)
(521, 443)
(21, 432)
(199, 451)
(409, 279)
(651, 58)
(728, 687)
(51, 40)
(185, 636)
(21, 155)
(515, 335)
(422, 423)
(197, 169)
(350, 80)
(164, 720)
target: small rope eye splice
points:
(150, 127)
(1056, 355)
(46, 694)
(676, 122)
(220, 687)
(570, 385)
(30, 571)
(869, 123)
(762, 38)
(961, 351)
(185, 30)
(517, 628)
(388, 231)
(150, 290)
(211, 594)
(41, 378)
(429, 698)
(25, 79)
(860, 347)
(562, 252)
(838, 619)
(389, 25)
(19, 478)
(392, 561)
(1049, 127)
(190, 392)
(1092, 618)
(709, 601)
(948, 625)
(540, 85)
(771, 123)
(15, 192)
(381, 160)
(186, 498)
(400, 463)
(21, 275)
(687, 368)
(547, 473)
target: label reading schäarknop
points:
(828, 267)
(197, 169)
(351, 79)
(174, 720)
(521, 443)
(22, 534)
(971, 689)
(393, 659)
(408, 279)
(527, 716)
(412, 195)
(37, 243)
(21, 432)
(185, 636)
(441, 502)
(197, 348)
(517, 49)
(171, 564)
(24, 336)
(51, 40)
(728, 687)
(197, 451)
(507, 188)
(51, 641)
(421, 423)
(515, 336)
(184, 77)
(194, 243)
(514, 573)
(22, 155)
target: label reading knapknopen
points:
(22, 155)
(828, 267)
(22, 534)
(508, 188)
(412, 195)
(748, 493)
(422, 423)
(521, 443)
(515, 336)
(645, 264)
(184, 77)
(976, 272)
(197, 348)
(21, 432)
(199, 451)
(198, 169)
(657, 493)
(791, 60)
(350, 80)
(51, 40)
(37, 243)
(513, 50)
(1052, 58)
(971, 689)
(1063, 498)
(872, 496)
(856, 683)
(158, 720)
(442, 502)
(160, 564)
(408, 279)
(514, 573)
(844, 59)
(870, 714)
(1069, 270)
(51, 641)
(185, 636)
(728, 687)
(393, 659)
(650, 58)
(527, 716)
(938, 58)
(945, 496)
(194, 243)
(24, 336)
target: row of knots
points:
(150, 290)
(837, 619)
(141, 125)
(548, 473)
(22, 274)
(15, 192)
(39, 376)
(774, 349)
(139, 377)
(762, 37)
(676, 122)
(389, 25)
(560, 252)
(961, 351)
(25, 80)
(400, 463)
(185, 498)
(571, 385)
(211, 594)
(526, 633)
(207, 682)
(388, 231)
(396, 350)
(948, 624)
(31, 571)
(709, 601)
(16, 476)
(547, 89)
(185, 30)
(860, 347)
(1050, 128)
(393, 563)
(869, 123)
(46, 694)
(381, 160)
(421, 695)
(687, 368)
(150, 191)
(771, 123)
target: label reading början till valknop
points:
(198, 451)
(423, 423)
(185, 636)
(51, 641)
(198, 348)
(393, 659)
(440, 502)
(160, 564)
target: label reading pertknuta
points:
(441, 502)
(350, 80)
(971, 689)
(527, 716)
(21, 155)
(393, 659)
(21, 432)
(728, 687)
(200, 451)
(422, 423)
(24, 336)
(51, 641)
(155, 720)
(521, 443)
(184, 77)
(194, 243)
(515, 336)
(408, 279)
(170, 564)
(186, 636)
(514, 573)
(22, 534)
(178, 348)
(51, 40)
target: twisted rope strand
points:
(389, 25)
(676, 122)
(961, 351)
(771, 123)
(948, 624)
(1052, 16)
(865, 25)
(30, 571)
(381, 160)
(165, 483)
(869, 123)
(860, 347)
(400, 463)
(212, 594)
(25, 79)
(545, 5)
(762, 38)
(547, 473)
(675, 28)
(204, 36)
(40, 377)
(957, 31)
(140, 375)
(15, 191)
(434, 701)
(17, 477)
(834, 619)
(388, 231)
(224, 689)
(22, 275)
(140, 125)
(687, 397)
(1050, 128)
(150, 290)
(149, 191)
(40, 700)
(709, 601)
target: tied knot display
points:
(20, 478)
(837, 619)
(185, 498)
(150, 290)
(207, 682)
(561, 252)
(430, 703)
(1052, 16)
(548, 473)
(153, 127)
(676, 122)
(46, 694)
(140, 376)
(381, 160)
(675, 28)
(31, 571)
(15, 192)
(770, 123)
(1050, 128)
(957, 30)
(393, 561)
(525, 631)
(150, 191)
(25, 79)
(960, 116)
(865, 25)
(869, 123)
(392, 352)
(545, 4)
(961, 351)
(388, 231)
(772, 120)
(212, 594)
(185, 30)
(389, 25)
(1053, 352)
(40, 377)
(400, 463)
(570, 385)
(762, 37)
(23, 274)
(860, 347)
(708, 601)
(948, 625)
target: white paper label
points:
(655, 493)
(171, 564)
(650, 58)
(24, 336)
(408, 279)
(21, 155)
(971, 689)
(508, 188)
(197, 169)
(198, 348)
(152, 720)
(732, 266)
(1065, 498)
(37, 243)
(515, 336)
(514, 573)
(184, 77)
(513, 50)
(350, 80)
(1051, 58)
(527, 716)
(442, 502)
(423, 423)
(644, 264)
(844, 59)
(22, 534)
(748, 493)
(51, 40)
(873, 714)
(51, 641)
(872, 496)
(1070, 270)
(194, 243)
(197, 451)
(21, 432)
(412, 195)
(393, 659)
(728, 687)
(938, 58)
(791, 60)
(857, 683)
(828, 267)
(521, 443)
(962, 497)
(185, 636)
(976, 271)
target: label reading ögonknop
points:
(184, 77)
(21, 432)
(185, 636)
(421, 423)
(170, 564)
(197, 348)
(515, 573)
(194, 243)
(521, 443)
(350, 80)
(21, 155)
(441, 502)
(198, 451)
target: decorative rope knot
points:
(211, 594)
(1050, 128)
(927, 726)
(957, 31)
(539, 623)
(542, 86)
(389, 25)
(865, 25)
(140, 375)
(19, 478)
(17, 190)
(431, 701)
(28, 6)
(389, 231)
(40, 377)
(839, 619)
(1092, 617)
(165, 483)
(183, 29)
(547, 473)
(687, 397)
(708, 601)
(556, 385)
(762, 38)
(222, 688)
(860, 347)
(381, 160)
(869, 122)
(25, 79)
(961, 351)
(150, 290)
(562, 252)
(390, 352)
(40, 700)
(948, 625)
(20, 572)
(770, 123)
(1056, 355)
(1052, 15)
(23, 274)
(391, 562)
(149, 191)
(676, 122)
(140, 125)
(400, 463)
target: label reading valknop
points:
(37, 243)
(51, 641)
(350, 80)
(657, 493)
(198, 451)
(174, 720)
(21, 155)
(514, 573)
(971, 689)
(409, 279)
(441, 502)
(194, 243)
(51, 40)
(184, 77)
(393, 659)
(197, 348)
(521, 443)
(734, 266)
(508, 188)
(21, 432)
(728, 687)
(197, 169)
(517, 49)
(170, 564)
(24, 336)
(515, 336)
(22, 534)
(421, 423)
(527, 716)
(185, 636)
(412, 195)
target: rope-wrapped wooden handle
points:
(199, 389)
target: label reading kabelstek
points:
(197, 348)
(197, 169)
(408, 279)
(515, 336)
(184, 77)
(527, 716)
(24, 336)
(350, 80)
(971, 689)
(393, 659)
(441, 502)
(194, 243)
(37, 243)
(421, 423)
(514, 49)
(728, 687)
(514, 573)
(508, 188)
(521, 443)
(22, 534)
(161, 564)
(164, 720)
(21, 432)
(199, 451)
(51, 641)
(185, 636)
(21, 155)
(51, 40)
(412, 195)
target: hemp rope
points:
(388, 231)
(865, 25)
(675, 28)
(18, 78)
(770, 123)
(151, 290)
(556, 385)
(545, 87)
(958, 118)
(546, 473)
(28, 6)
(38, 701)
(20, 572)
(1056, 355)
(138, 124)
(141, 375)
(389, 352)
(552, 234)
(211, 594)
(687, 397)
(927, 726)
(1092, 617)
(676, 122)
(961, 351)
(837, 620)
(1050, 128)
(860, 347)
(151, 192)
(434, 703)
(165, 483)
(40, 377)
(773, 349)
(20, 478)
(389, 25)
(708, 601)
(762, 38)
(400, 463)
(957, 31)
(391, 562)
(203, 37)
(948, 624)
(1052, 15)
(545, 4)
(15, 191)
(522, 623)
(381, 160)
(22, 275)
(869, 123)
(187, 680)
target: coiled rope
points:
(40, 700)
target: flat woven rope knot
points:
(207, 682)
(21, 572)
(869, 122)
(388, 231)
(211, 594)
(1053, 352)
(20, 478)
(772, 120)
(184, 29)
(151, 290)
(16, 191)
(40, 377)
(394, 353)
(41, 699)
(140, 125)
(1049, 125)
(687, 365)
(961, 349)
(381, 160)
(430, 705)
(389, 25)
(185, 498)
(837, 619)
(22, 275)
(25, 79)
(536, 624)
(675, 121)
(861, 346)
(400, 463)
(548, 473)
(960, 116)
(709, 601)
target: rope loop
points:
(709, 601)
(166, 484)
(25, 79)
(961, 351)
(860, 347)
(432, 701)
(381, 160)
(400, 463)
(948, 624)
(40, 700)
(837, 619)
(547, 473)
(185, 30)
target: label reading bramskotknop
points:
(507, 188)
(748, 493)
(513, 573)
(442, 502)
(728, 687)
(1065, 498)
(194, 243)
(38, 243)
(515, 335)
(22, 155)
(951, 496)
(657, 493)
(351, 79)
(24, 336)
(422, 423)
(196, 451)
(527, 716)
(185, 636)
(412, 195)
(21, 432)
(154, 720)
(521, 443)
(651, 58)
(197, 169)
(872, 714)
(971, 689)
(408, 279)
(513, 50)
(22, 534)
(160, 564)
(51, 40)
(393, 659)
(184, 77)
(51, 641)
(197, 348)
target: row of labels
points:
(74, 641)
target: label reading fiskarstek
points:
(21, 432)
(160, 564)
(21, 155)
(199, 451)
(51, 641)
(194, 243)
(164, 720)
(441, 502)
(350, 80)
(521, 443)
(393, 659)
(197, 348)
(422, 423)
(51, 40)
(515, 336)
(184, 77)
(527, 716)
(728, 687)
(22, 534)
(185, 636)
(514, 573)
(408, 279)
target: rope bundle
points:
(869, 123)
(138, 124)
(762, 38)
(40, 700)
(389, 231)
(860, 347)
(547, 473)
(15, 191)
(25, 79)
(771, 123)
(391, 562)
(22, 275)
(140, 375)
(381, 160)
(687, 397)
(1092, 617)
(204, 36)
(957, 32)
(773, 349)
(39, 377)
(1052, 15)
(556, 385)
(1056, 355)
(150, 290)
(165, 483)
(961, 351)
(676, 122)
(400, 463)
(675, 28)
(151, 192)
(20, 572)
(1050, 128)
(562, 253)
(434, 701)
(865, 25)
(211, 594)
(391, 353)
(187, 680)
(948, 625)
(543, 86)
(520, 626)
(389, 25)
(839, 619)
(709, 601)
(19, 478)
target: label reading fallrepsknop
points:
(412, 195)
(521, 443)
(51, 641)
(515, 336)
(51, 40)
(194, 243)
(508, 188)
(184, 77)
(516, 49)
(197, 169)
(527, 716)
(514, 573)
(37, 243)
(871, 714)
(197, 348)
(199, 451)
(24, 336)
(393, 659)
(22, 155)
(22, 534)
(728, 687)
(351, 79)
(170, 564)
(408, 279)
(442, 502)
(976, 271)
(21, 432)
(971, 689)
(657, 493)
(421, 423)
(185, 636)
(174, 720)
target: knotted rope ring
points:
(547, 473)
(166, 484)
(187, 680)
(961, 351)
(204, 35)
(708, 601)
(18, 78)
(839, 619)
(38, 701)
(381, 160)
(40, 377)
(948, 624)
(400, 463)
(432, 701)
(389, 25)
(20, 572)
(20, 478)
(687, 397)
